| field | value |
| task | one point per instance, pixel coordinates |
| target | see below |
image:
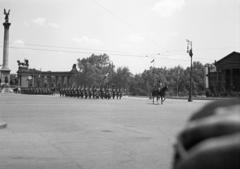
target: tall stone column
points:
(5, 71)
(6, 45)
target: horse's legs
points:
(158, 99)
(163, 99)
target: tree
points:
(136, 86)
(93, 70)
(198, 78)
(175, 80)
(121, 78)
(98, 70)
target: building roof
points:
(232, 60)
(230, 57)
(27, 70)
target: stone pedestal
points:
(5, 77)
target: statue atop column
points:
(6, 14)
(5, 71)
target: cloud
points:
(43, 22)
(26, 24)
(136, 38)
(167, 8)
(53, 25)
(18, 42)
(40, 21)
(87, 42)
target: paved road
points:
(49, 132)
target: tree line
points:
(99, 71)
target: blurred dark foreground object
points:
(211, 138)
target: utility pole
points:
(190, 52)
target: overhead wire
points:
(120, 19)
(69, 51)
(55, 48)
(72, 48)
(168, 54)
(131, 27)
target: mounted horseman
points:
(159, 92)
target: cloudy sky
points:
(53, 34)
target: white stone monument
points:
(5, 71)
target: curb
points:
(3, 125)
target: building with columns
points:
(28, 77)
(223, 77)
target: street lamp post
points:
(190, 52)
(177, 81)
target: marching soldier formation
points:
(36, 91)
(80, 92)
(92, 93)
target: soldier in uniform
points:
(159, 85)
(63, 92)
(97, 93)
(72, 92)
(89, 92)
(81, 92)
(67, 92)
(117, 93)
(78, 92)
(120, 93)
(75, 92)
(60, 91)
(101, 92)
(113, 93)
(85, 92)
(108, 93)
(94, 92)
(104, 93)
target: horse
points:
(159, 94)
